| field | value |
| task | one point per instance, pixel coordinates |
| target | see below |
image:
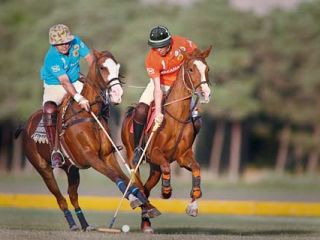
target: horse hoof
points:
(192, 209)
(146, 226)
(135, 203)
(89, 229)
(148, 230)
(74, 228)
(166, 192)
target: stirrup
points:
(61, 163)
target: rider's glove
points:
(84, 103)
(157, 121)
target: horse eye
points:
(190, 70)
(101, 68)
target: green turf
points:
(50, 224)
(267, 187)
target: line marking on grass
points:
(262, 208)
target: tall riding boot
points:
(139, 120)
(50, 121)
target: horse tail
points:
(18, 131)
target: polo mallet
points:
(115, 147)
(155, 127)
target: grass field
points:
(47, 224)
(264, 186)
(50, 224)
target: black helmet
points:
(159, 37)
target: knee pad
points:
(141, 113)
(50, 111)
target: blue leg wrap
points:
(69, 218)
(136, 192)
(122, 187)
(82, 219)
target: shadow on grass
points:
(210, 231)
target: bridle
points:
(101, 90)
(99, 86)
(192, 89)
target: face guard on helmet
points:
(159, 37)
(60, 34)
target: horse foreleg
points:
(157, 157)
(153, 179)
(48, 177)
(187, 161)
(73, 184)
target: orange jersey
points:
(167, 67)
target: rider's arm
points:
(67, 85)
(157, 93)
(89, 59)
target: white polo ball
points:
(125, 228)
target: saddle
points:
(40, 136)
(150, 120)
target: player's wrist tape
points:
(77, 97)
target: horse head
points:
(195, 73)
(104, 76)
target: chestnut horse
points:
(174, 139)
(83, 142)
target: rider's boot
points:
(139, 120)
(50, 112)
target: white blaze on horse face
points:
(206, 91)
(116, 89)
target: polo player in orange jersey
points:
(162, 64)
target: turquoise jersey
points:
(57, 64)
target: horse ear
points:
(96, 53)
(185, 54)
(206, 52)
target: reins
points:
(193, 93)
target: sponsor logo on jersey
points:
(171, 70)
(76, 50)
(150, 70)
(55, 68)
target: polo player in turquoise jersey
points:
(60, 73)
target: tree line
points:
(264, 71)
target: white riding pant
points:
(147, 96)
(56, 93)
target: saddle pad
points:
(40, 135)
(150, 120)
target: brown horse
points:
(84, 144)
(174, 139)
